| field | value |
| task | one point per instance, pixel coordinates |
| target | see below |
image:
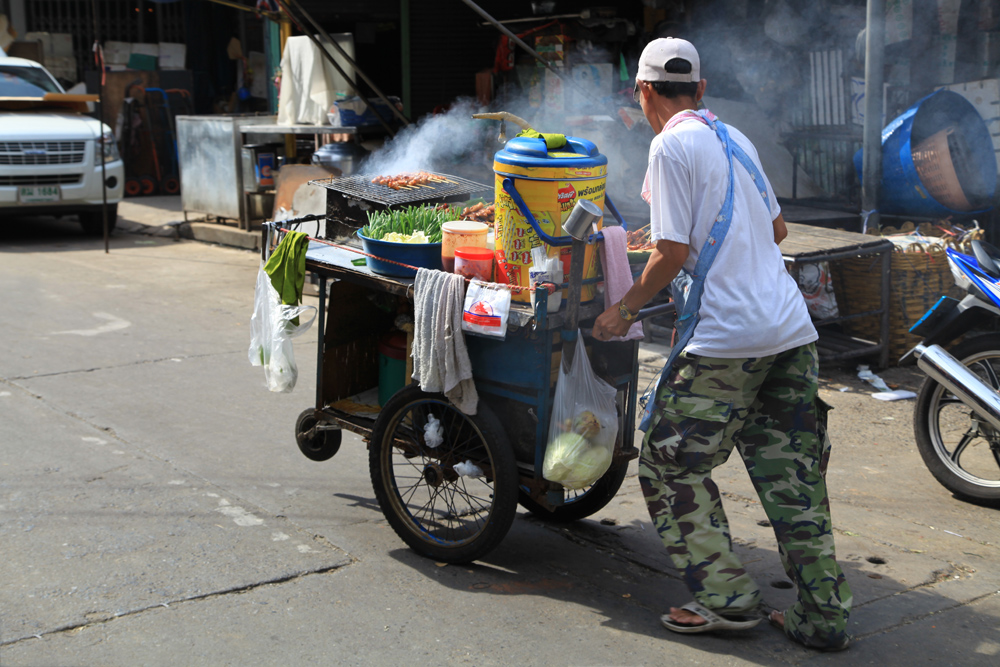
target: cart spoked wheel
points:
(580, 503)
(446, 482)
(317, 443)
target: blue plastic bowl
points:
(424, 255)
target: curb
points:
(204, 232)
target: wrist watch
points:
(625, 313)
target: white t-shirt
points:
(750, 305)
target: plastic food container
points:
(473, 262)
(391, 366)
(426, 255)
(460, 234)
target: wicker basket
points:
(920, 276)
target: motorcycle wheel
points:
(961, 450)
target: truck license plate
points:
(37, 194)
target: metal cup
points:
(582, 219)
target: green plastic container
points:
(391, 366)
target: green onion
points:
(407, 221)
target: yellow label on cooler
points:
(550, 202)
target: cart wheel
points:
(170, 185)
(132, 187)
(582, 502)
(438, 512)
(316, 445)
(148, 185)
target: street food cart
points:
(425, 491)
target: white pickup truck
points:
(51, 158)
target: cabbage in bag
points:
(584, 425)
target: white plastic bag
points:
(271, 333)
(486, 309)
(583, 427)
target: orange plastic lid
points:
(473, 253)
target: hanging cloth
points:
(287, 267)
(689, 299)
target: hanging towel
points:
(552, 141)
(617, 274)
(287, 267)
(440, 359)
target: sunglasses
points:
(635, 92)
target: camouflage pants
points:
(768, 408)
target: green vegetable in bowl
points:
(407, 221)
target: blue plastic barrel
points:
(902, 191)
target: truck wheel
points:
(93, 221)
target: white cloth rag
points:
(617, 274)
(440, 359)
(309, 83)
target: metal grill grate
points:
(361, 187)
(41, 152)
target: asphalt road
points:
(155, 510)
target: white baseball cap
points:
(656, 55)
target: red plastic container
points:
(474, 263)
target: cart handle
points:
(511, 189)
(652, 311)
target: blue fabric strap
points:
(690, 302)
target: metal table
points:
(246, 214)
(808, 245)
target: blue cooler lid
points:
(529, 152)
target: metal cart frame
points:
(515, 379)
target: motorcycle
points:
(956, 419)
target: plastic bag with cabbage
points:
(583, 427)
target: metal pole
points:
(99, 61)
(572, 322)
(871, 177)
(350, 62)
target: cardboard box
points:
(62, 45)
(172, 56)
(552, 48)
(43, 37)
(117, 53)
(145, 49)
(142, 61)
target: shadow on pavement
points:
(563, 563)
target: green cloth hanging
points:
(287, 267)
(551, 140)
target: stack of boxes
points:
(119, 56)
(57, 49)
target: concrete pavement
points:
(154, 508)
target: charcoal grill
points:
(348, 199)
